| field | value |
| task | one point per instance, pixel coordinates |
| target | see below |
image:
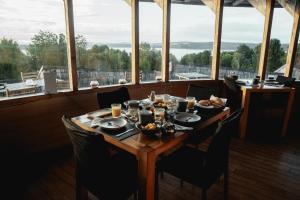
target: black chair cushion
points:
(105, 99)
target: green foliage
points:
(242, 58)
(150, 59)
(12, 60)
(277, 56)
(226, 59)
(50, 49)
(199, 59)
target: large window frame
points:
(165, 5)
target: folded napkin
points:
(182, 128)
(99, 113)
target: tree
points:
(205, 57)
(12, 60)
(44, 50)
(150, 59)
(242, 58)
(276, 56)
(256, 57)
(226, 59)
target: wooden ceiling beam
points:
(288, 5)
(217, 40)
(211, 4)
(291, 56)
(264, 51)
(160, 3)
(128, 2)
(166, 40)
(260, 5)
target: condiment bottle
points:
(152, 95)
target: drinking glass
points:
(181, 105)
(159, 98)
(116, 109)
(159, 115)
(191, 102)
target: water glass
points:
(159, 114)
(190, 102)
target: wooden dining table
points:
(148, 149)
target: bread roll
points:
(205, 102)
(216, 100)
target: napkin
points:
(99, 113)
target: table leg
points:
(147, 175)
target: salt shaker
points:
(152, 95)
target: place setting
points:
(113, 123)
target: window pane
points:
(103, 41)
(241, 40)
(191, 41)
(296, 70)
(151, 39)
(280, 38)
(32, 37)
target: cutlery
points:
(188, 119)
(124, 132)
(113, 124)
(179, 127)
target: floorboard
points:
(257, 171)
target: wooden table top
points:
(140, 142)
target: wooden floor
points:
(257, 171)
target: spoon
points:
(111, 124)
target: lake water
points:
(178, 53)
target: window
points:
(103, 41)
(150, 24)
(32, 39)
(191, 41)
(241, 41)
(280, 38)
(296, 69)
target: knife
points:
(124, 132)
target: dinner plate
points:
(112, 123)
(211, 106)
(187, 117)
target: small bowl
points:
(151, 132)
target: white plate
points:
(187, 117)
(112, 123)
(211, 106)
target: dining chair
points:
(105, 175)
(203, 168)
(286, 81)
(105, 99)
(232, 93)
(202, 92)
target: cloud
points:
(110, 21)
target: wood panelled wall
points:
(35, 125)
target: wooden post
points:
(217, 39)
(135, 75)
(166, 39)
(290, 61)
(72, 65)
(264, 52)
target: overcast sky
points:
(109, 21)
